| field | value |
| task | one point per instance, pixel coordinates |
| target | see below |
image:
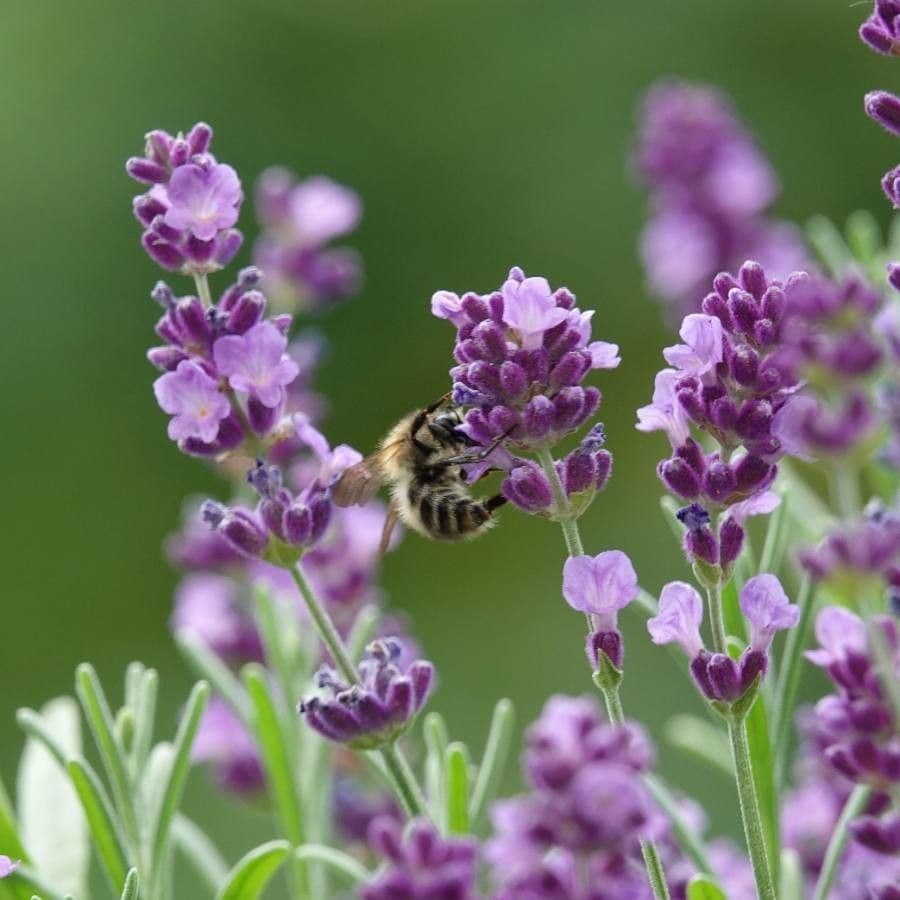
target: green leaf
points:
(99, 718)
(829, 245)
(702, 887)
(791, 885)
(774, 545)
(280, 773)
(864, 236)
(702, 740)
(363, 630)
(209, 666)
(789, 681)
(52, 823)
(434, 730)
(456, 779)
(734, 621)
(338, 861)
(174, 786)
(281, 648)
(109, 842)
(130, 888)
(144, 708)
(762, 762)
(493, 762)
(199, 851)
(251, 874)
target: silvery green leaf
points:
(52, 825)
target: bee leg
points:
(390, 523)
(469, 458)
(494, 502)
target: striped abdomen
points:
(443, 512)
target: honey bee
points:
(421, 460)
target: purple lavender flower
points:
(194, 401)
(300, 219)
(881, 31)
(884, 108)
(600, 586)
(193, 202)
(380, 708)
(587, 807)
(717, 675)
(7, 866)
(223, 741)
(256, 363)
(207, 609)
(709, 188)
(857, 724)
(421, 865)
(523, 353)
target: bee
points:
(421, 460)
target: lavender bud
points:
(247, 311)
(608, 642)
(731, 541)
(884, 108)
(719, 481)
(724, 677)
(527, 487)
(679, 478)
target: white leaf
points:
(54, 830)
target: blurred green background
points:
(480, 134)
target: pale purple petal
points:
(757, 505)
(322, 209)
(447, 305)
(256, 362)
(7, 866)
(679, 617)
(204, 200)
(837, 630)
(789, 425)
(601, 584)
(530, 309)
(665, 413)
(702, 348)
(312, 437)
(604, 355)
(194, 401)
(767, 608)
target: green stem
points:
(405, 784)
(616, 713)
(203, 292)
(788, 682)
(855, 804)
(717, 618)
(844, 485)
(750, 814)
(404, 780)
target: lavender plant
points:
(779, 405)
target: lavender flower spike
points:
(421, 865)
(380, 708)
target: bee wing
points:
(390, 523)
(358, 484)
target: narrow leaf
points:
(209, 666)
(493, 762)
(108, 841)
(343, 863)
(99, 718)
(702, 740)
(762, 762)
(791, 885)
(145, 717)
(774, 544)
(251, 874)
(130, 889)
(734, 621)
(456, 778)
(434, 730)
(701, 887)
(181, 762)
(200, 852)
(281, 776)
(828, 244)
(53, 827)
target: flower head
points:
(378, 709)
(421, 864)
(679, 617)
(203, 199)
(600, 585)
(530, 309)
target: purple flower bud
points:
(881, 835)
(731, 541)
(700, 545)
(744, 365)
(753, 663)
(578, 471)
(719, 481)
(724, 677)
(246, 312)
(238, 526)
(604, 462)
(679, 478)
(751, 473)
(538, 416)
(884, 108)
(527, 487)
(607, 642)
